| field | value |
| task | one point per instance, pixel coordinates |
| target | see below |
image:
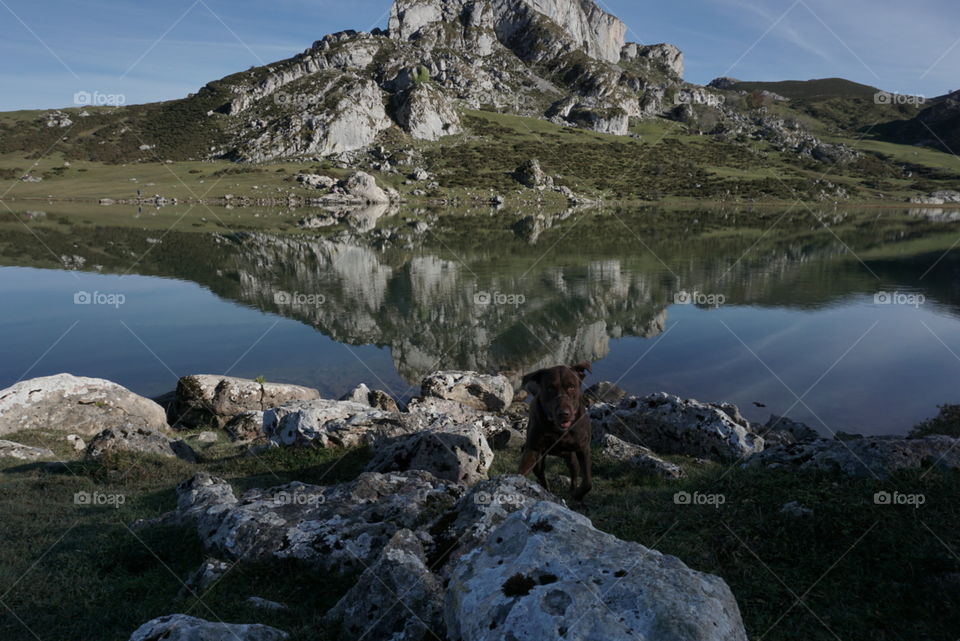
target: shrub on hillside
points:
(947, 422)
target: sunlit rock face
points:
(582, 22)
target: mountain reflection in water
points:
(785, 309)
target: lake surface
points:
(780, 308)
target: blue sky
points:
(52, 49)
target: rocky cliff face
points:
(559, 59)
(572, 24)
(563, 60)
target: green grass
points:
(186, 180)
(664, 163)
(80, 573)
(661, 162)
(817, 89)
(909, 154)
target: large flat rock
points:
(547, 573)
(211, 400)
(75, 404)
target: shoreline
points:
(207, 498)
(299, 203)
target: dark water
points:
(788, 310)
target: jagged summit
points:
(589, 28)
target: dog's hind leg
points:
(574, 468)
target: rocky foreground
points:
(440, 548)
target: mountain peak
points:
(585, 25)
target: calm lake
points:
(845, 320)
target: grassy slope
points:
(101, 581)
(661, 163)
(668, 164)
(811, 89)
(835, 102)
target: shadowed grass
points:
(79, 572)
(835, 559)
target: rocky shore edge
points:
(471, 554)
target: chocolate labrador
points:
(559, 425)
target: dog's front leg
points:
(574, 468)
(540, 469)
(528, 461)
(536, 461)
(583, 457)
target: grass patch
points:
(79, 572)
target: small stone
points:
(795, 509)
(265, 604)
(9, 449)
(141, 440)
(180, 627)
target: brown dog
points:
(559, 425)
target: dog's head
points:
(557, 390)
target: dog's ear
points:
(531, 382)
(581, 369)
